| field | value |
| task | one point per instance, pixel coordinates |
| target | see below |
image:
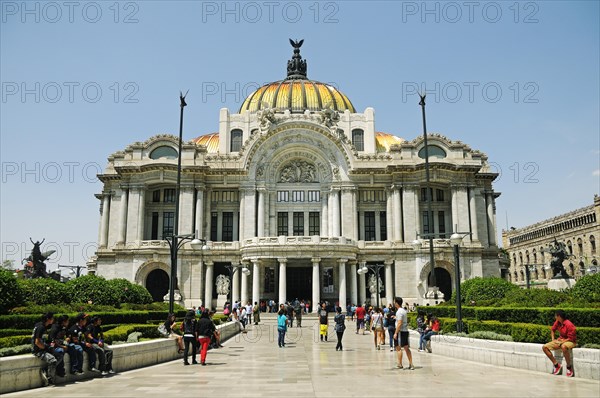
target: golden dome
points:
(297, 95)
(383, 141)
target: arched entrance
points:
(444, 282)
(157, 283)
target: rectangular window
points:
(298, 226)
(442, 222)
(168, 223)
(372, 196)
(426, 223)
(169, 195)
(214, 220)
(283, 196)
(314, 223)
(328, 280)
(227, 229)
(282, 223)
(154, 226)
(440, 195)
(269, 280)
(358, 139)
(156, 196)
(370, 225)
(236, 140)
(314, 196)
(383, 225)
(297, 196)
(424, 197)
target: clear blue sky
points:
(518, 81)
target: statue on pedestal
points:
(559, 254)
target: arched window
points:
(571, 269)
(534, 257)
(593, 244)
(543, 272)
(358, 139)
(521, 258)
(527, 257)
(434, 151)
(165, 152)
(579, 247)
(570, 247)
(236, 140)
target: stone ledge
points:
(22, 372)
(529, 356)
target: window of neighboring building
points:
(570, 247)
(156, 196)
(383, 225)
(314, 223)
(164, 152)
(227, 228)
(283, 196)
(314, 196)
(168, 223)
(298, 223)
(154, 226)
(358, 139)
(282, 223)
(593, 244)
(214, 220)
(236, 140)
(442, 222)
(169, 195)
(370, 225)
(297, 196)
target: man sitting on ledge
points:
(566, 341)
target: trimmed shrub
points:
(93, 289)
(130, 292)
(15, 332)
(17, 350)
(587, 288)
(485, 335)
(478, 289)
(534, 298)
(121, 333)
(12, 341)
(11, 294)
(43, 291)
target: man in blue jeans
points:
(44, 351)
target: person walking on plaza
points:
(401, 334)
(421, 326)
(391, 325)
(323, 327)
(206, 329)
(281, 327)
(377, 327)
(340, 326)
(190, 336)
(361, 312)
(566, 341)
(44, 351)
(248, 313)
(298, 313)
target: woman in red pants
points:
(206, 328)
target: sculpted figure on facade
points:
(329, 118)
(266, 117)
(372, 282)
(222, 284)
(298, 171)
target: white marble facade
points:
(303, 199)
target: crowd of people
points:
(53, 337)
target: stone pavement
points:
(252, 365)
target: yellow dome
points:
(297, 95)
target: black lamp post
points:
(176, 242)
(375, 268)
(232, 270)
(455, 240)
(428, 196)
(78, 269)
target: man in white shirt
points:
(402, 331)
(248, 312)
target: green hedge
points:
(17, 350)
(11, 293)
(11, 341)
(120, 333)
(15, 332)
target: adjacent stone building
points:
(578, 230)
(302, 189)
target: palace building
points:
(299, 187)
(527, 247)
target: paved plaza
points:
(252, 365)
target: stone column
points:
(353, 286)
(104, 221)
(361, 285)
(133, 203)
(196, 277)
(335, 204)
(235, 285)
(122, 217)
(282, 280)
(389, 281)
(397, 213)
(261, 211)
(208, 284)
(249, 216)
(342, 282)
(491, 218)
(316, 283)
(207, 218)
(255, 281)
(200, 213)
(324, 214)
(410, 203)
(141, 218)
(244, 293)
(348, 213)
(473, 211)
(186, 210)
(389, 215)
(481, 215)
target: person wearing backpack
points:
(190, 336)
